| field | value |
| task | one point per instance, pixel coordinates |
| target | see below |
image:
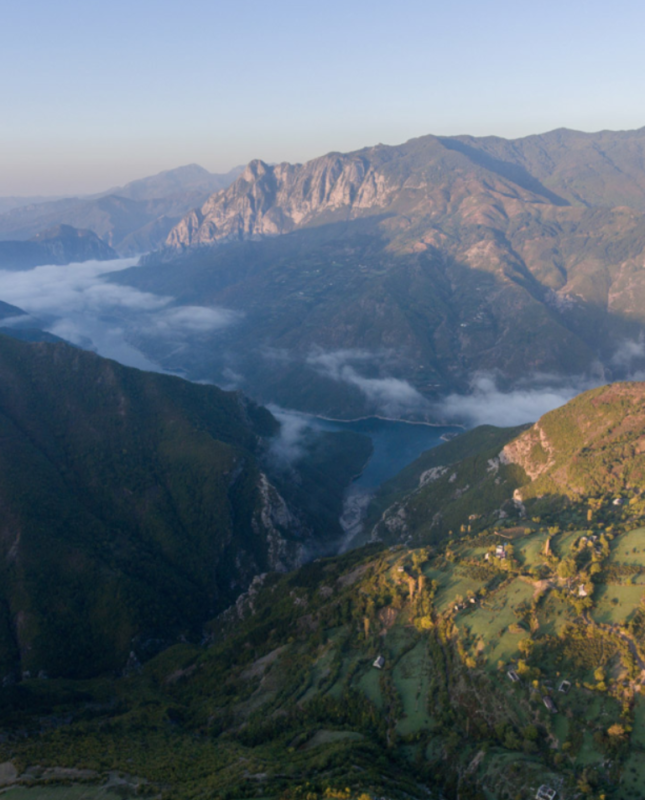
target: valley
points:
(322, 401)
(293, 521)
(487, 660)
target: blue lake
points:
(396, 444)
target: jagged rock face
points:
(269, 200)
(420, 181)
(470, 182)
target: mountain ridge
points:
(132, 218)
(427, 263)
(61, 244)
(133, 505)
(357, 180)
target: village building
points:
(500, 551)
(549, 704)
(545, 793)
(582, 592)
(513, 675)
(564, 687)
(379, 662)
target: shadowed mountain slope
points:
(59, 245)
(423, 264)
(134, 505)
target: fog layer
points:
(77, 303)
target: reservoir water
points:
(396, 444)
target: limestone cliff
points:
(269, 200)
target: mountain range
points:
(421, 265)
(132, 219)
(175, 619)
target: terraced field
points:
(616, 604)
(412, 681)
(451, 585)
(530, 548)
(489, 621)
(629, 548)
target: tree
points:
(617, 732)
(567, 568)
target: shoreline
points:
(376, 416)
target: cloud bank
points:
(488, 405)
(391, 396)
(288, 447)
(76, 302)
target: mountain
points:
(502, 658)
(416, 267)
(431, 177)
(134, 506)
(60, 245)
(18, 324)
(10, 202)
(590, 451)
(133, 218)
(589, 169)
(190, 178)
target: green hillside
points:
(485, 661)
(134, 506)
(589, 452)
(285, 701)
(439, 491)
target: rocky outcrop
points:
(532, 451)
(269, 200)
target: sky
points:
(95, 94)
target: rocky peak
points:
(270, 200)
(254, 170)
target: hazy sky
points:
(98, 93)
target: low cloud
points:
(288, 447)
(232, 379)
(629, 354)
(391, 396)
(19, 321)
(487, 404)
(192, 320)
(77, 303)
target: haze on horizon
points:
(96, 95)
